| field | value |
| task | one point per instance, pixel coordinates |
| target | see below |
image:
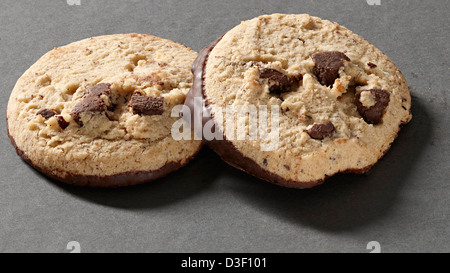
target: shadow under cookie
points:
(346, 201)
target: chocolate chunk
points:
(98, 90)
(298, 78)
(278, 82)
(62, 122)
(321, 130)
(92, 101)
(46, 113)
(371, 65)
(327, 66)
(373, 114)
(146, 105)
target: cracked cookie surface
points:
(342, 100)
(96, 110)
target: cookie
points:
(98, 112)
(341, 101)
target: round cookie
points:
(341, 101)
(98, 112)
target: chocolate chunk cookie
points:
(341, 101)
(98, 112)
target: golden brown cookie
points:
(341, 101)
(98, 112)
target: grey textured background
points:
(208, 206)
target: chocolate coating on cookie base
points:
(112, 181)
(225, 148)
(196, 91)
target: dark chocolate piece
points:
(322, 130)
(371, 65)
(146, 105)
(327, 66)
(92, 101)
(46, 113)
(62, 122)
(98, 90)
(373, 114)
(278, 82)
